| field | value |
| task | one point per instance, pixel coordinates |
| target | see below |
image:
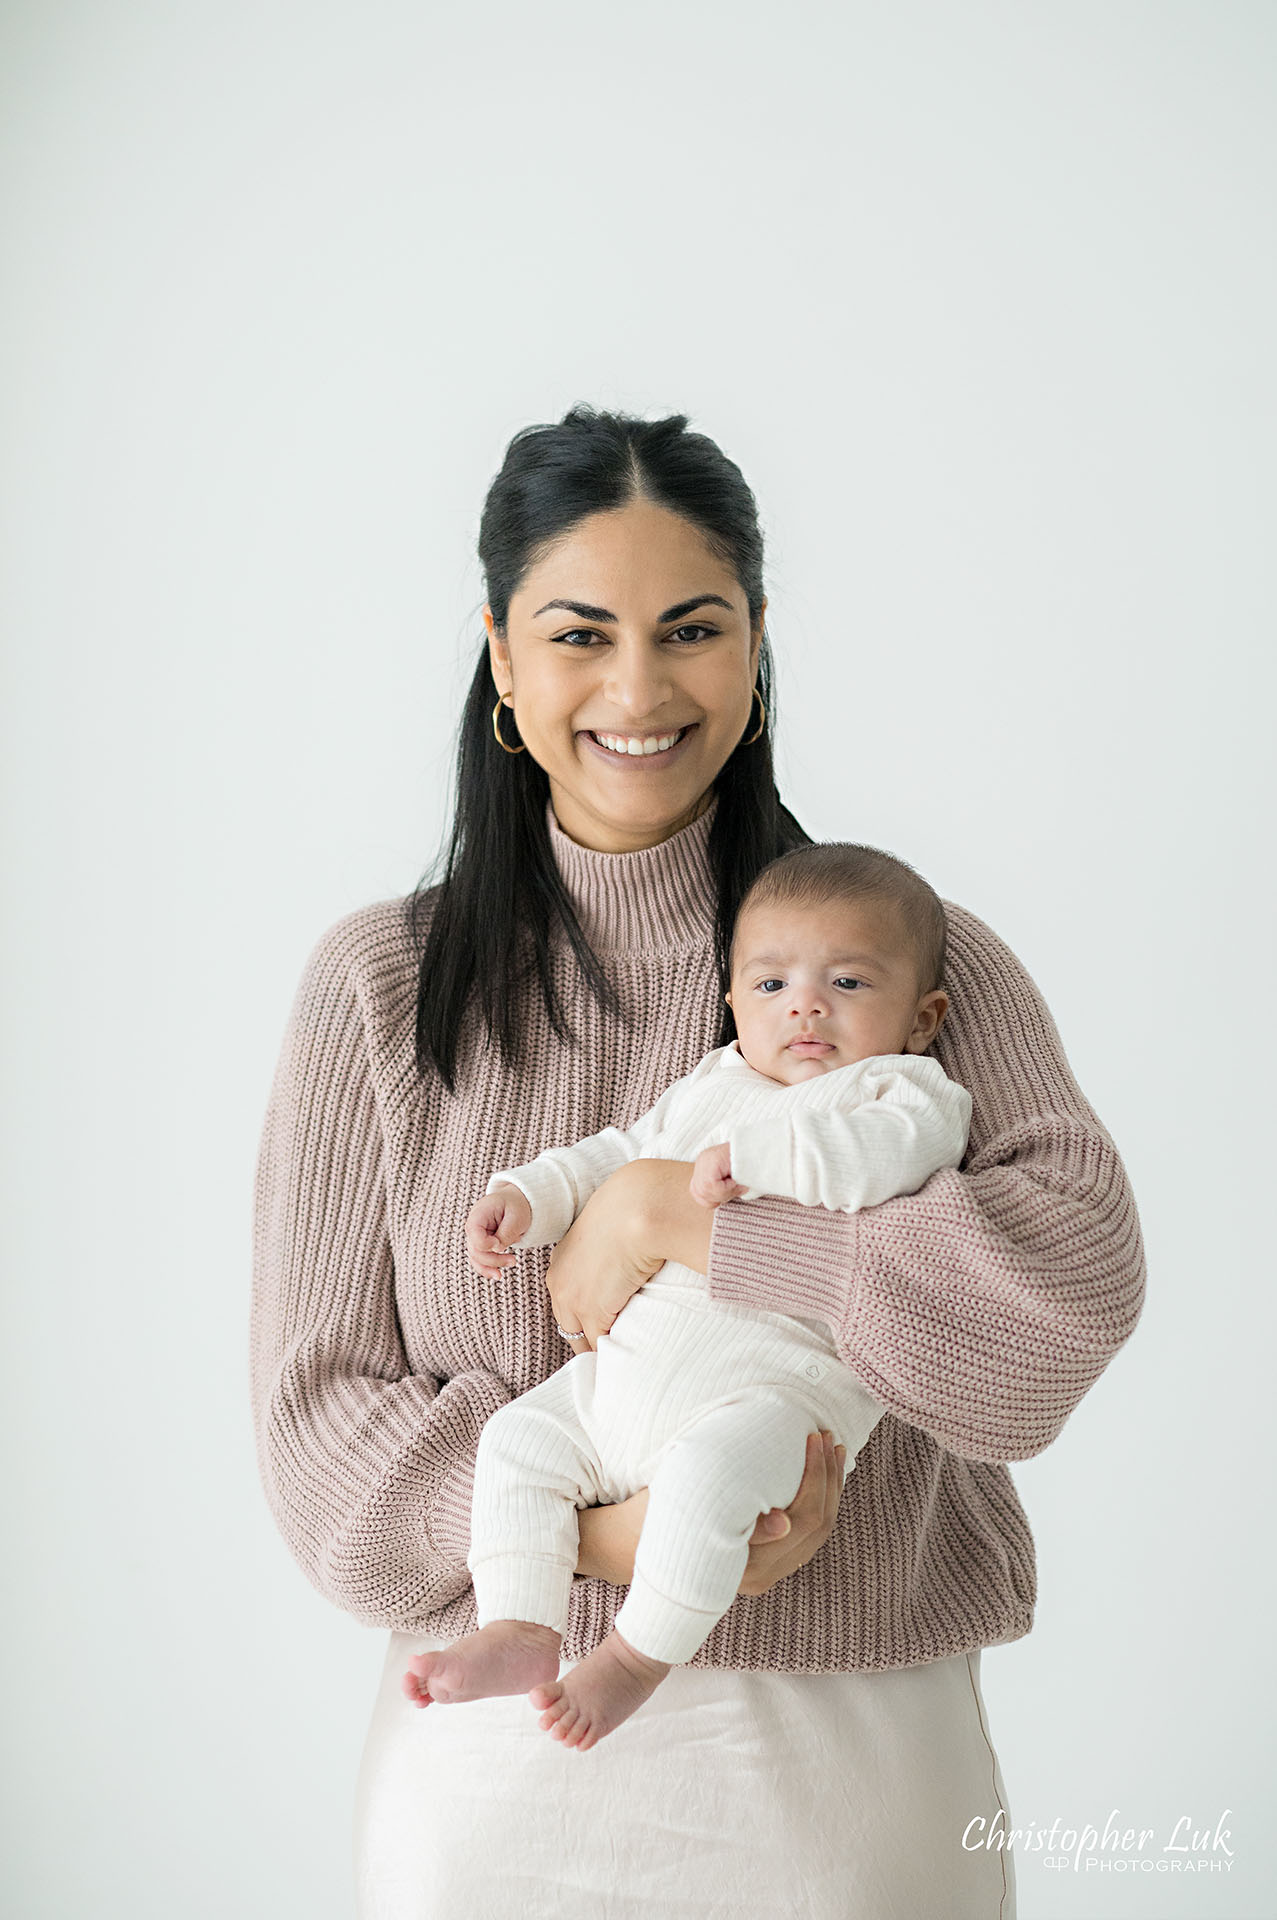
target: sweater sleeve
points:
(981, 1308)
(367, 1467)
(898, 1119)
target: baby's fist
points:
(712, 1181)
(493, 1221)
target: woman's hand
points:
(609, 1536)
(811, 1514)
(609, 1539)
(641, 1216)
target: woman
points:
(825, 1752)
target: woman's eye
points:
(686, 636)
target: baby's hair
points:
(844, 870)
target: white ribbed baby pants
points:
(708, 1406)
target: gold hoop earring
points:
(761, 724)
(496, 726)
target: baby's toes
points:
(416, 1679)
(558, 1717)
(564, 1727)
(414, 1690)
(549, 1694)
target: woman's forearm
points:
(980, 1309)
(672, 1225)
(606, 1546)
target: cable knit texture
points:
(978, 1309)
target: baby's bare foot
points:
(606, 1688)
(506, 1656)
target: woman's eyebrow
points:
(585, 612)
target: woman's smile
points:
(638, 752)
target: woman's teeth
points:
(623, 743)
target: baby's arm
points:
(904, 1119)
(557, 1184)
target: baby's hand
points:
(712, 1181)
(492, 1223)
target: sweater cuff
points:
(782, 1257)
(448, 1518)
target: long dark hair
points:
(492, 914)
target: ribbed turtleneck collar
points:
(649, 901)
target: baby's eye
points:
(848, 980)
(763, 985)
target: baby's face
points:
(816, 988)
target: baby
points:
(827, 1096)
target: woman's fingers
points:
(591, 1277)
(832, 1487)
(807, 1509)
(812, 1514)
(591, 1330)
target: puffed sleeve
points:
(367, 1466)
(982, 1307)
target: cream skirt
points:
(759, 1796)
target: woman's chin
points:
(649, 811)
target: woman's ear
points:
(755, 644)
(498, 655)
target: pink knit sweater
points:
(979, 1309)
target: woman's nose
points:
(639, 681)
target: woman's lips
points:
(640, 760)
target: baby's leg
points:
(705, 1494)
(708, 1487)
(534, 1467)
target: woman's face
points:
(631, 630)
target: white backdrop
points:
(981, 298)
